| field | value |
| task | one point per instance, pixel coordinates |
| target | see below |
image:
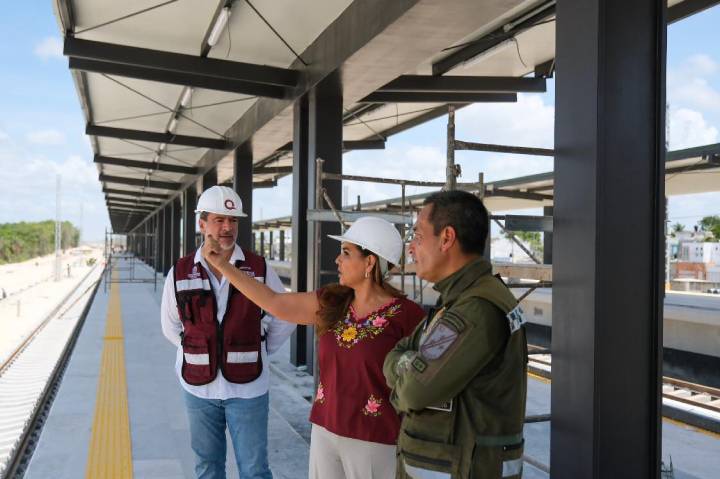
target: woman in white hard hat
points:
(358, 321)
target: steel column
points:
(270, 243)
(242, 183)
(160, 231)
(281, 252)
(547, 238)
(167, 239)
(190, 204)
(325, 123)
(261, 251)
(607, 300)
(176, 217)
(299, 231)
(209, 179)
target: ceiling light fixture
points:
(172, 125)
(218, 27)
(185, 98)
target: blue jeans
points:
(247, 420)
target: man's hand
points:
(211, 251)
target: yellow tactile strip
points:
(110, 454)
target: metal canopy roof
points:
(134, 64)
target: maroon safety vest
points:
(233, 345)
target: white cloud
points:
(28, 192)
(50, 47)
(690, 84)
(46, 137)
(688, 128)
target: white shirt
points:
(276, 333)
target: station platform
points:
(122, 337)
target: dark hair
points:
(467, 215)
(204, 215)
(335, 299)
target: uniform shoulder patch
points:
(438, 340)
(516, 319)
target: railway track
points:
(702, 402)
(30, 376)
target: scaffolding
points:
(534, 276)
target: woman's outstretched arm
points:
(299, 308)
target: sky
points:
(42, 130)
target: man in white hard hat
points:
(223, 340)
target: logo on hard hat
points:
(229, 204)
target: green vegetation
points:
(22, 241)
(533, 239)
(712, 225)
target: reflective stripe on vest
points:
(420, 473)
(188, 284)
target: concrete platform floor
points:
(159, 427)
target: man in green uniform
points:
(460, 379)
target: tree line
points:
(22, 241)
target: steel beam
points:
(135, 206)
(328, 216)
(156, 137)
(492, 39)
(517, 150)
(272, 170)
(438, 97)
(180, 63)
(135, 193)
(687, 8)
(243, 185)
(265, 184)
(463, 84)
(165, 185)
(607, 297)
(349, 145)
(521, 195)
(146, 165)
(183, 79)
(133, 200)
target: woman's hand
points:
(211, 251)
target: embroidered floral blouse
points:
(352, 399)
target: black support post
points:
(242, 183)
(325, 125)
(325, 141)
(167, 239)
(547, 238)
(160, 230)
(607, 297)
(298, 276)
(189, 205)
(270, 242)
(175, 234)
(281, 250)
(209, 179)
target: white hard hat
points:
(220, 200)
(376, 235)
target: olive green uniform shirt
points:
(460, 382)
